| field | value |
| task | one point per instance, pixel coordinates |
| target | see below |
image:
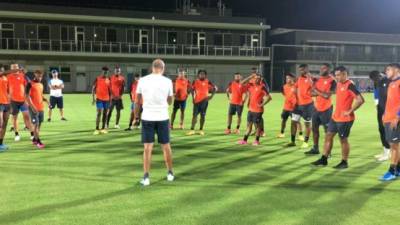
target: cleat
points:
(237, 131)
(96, 132)
(342, 165)
(300, 138)
(63, 119)
(48, 120)
(304, 145)
(103, 131)
(17, 138)
(128, 129)
(11, 129)
(170, 177)
(34, 142)
(117, 126)
(3, 148)
(242, 142)
(202, 133)
(263, 134)
(256, 143)
(32, 137)
(291, 144)
(280, 136)
(40, 145)
(145, 181)
(388, 176)
(383, 158)
(312, 152)
(227, 131)
(191, 133)
(320, 162)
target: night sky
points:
(381, 16)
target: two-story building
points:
(79, 41)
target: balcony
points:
(126, 50)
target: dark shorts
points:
(117, 103)
(56, 101)
(286, 114)
(321, 118)
(102, 104)
(4, 108)
(150, 128)
(341, 128)
(36, 118)
(16, 107)
(306, 111)
(235, 109)
(179, 105)
(254, 117)
(200, 108)
(392, 135)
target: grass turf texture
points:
(84, 179)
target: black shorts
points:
(341, 128)
(4, 108)
(37, 117)
(16, 107)
(150, 128)
(254, 117)
(56, 101)
(179, 105)
(117, 103)
(200, 108)
(286, 114)
(306, 111)
(235, 109)
(392, 135)
(321, 118)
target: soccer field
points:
(84, 179)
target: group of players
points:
(19, 93)
(306, 97)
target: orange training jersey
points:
(182, 86)
(35, 91)
(117, 85)
(324, 84)
(304, 87)
(393, 102)
(346, 92)
(103, 88)
(4, 90)
(237, 91)
(257, 93)
(17, 84)
(202, 89)
(289, 92)
(133, 90)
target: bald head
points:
(158, 66)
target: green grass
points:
(85, 179)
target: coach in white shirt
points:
(56, 97)
(155, 91)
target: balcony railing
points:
(129, 48)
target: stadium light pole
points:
(271, 67)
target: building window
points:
(218, 40)
(111, 35)
(7, 30)
(172, 38)
(31, 31)
(43, 32)
(64, 72)
(64, 34)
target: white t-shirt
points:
(155, 89)
(56, 92)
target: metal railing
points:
(129, 48)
